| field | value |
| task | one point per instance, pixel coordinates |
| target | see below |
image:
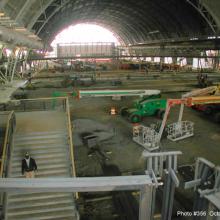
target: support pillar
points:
(146, 203)
(174, 60)
(171, 182)
(189, 61)
(216, 61)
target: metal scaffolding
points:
(206, 184)
(10, 64)
(163, 165)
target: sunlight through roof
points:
(84, 33)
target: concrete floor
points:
(40, 121)
(125, 153)
(120, 148)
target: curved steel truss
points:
(132, 21)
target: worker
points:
(29, 78)
(146, 70)
(29, 166)
(113, 111)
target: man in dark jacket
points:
(28, 166)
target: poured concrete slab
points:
(40, 121)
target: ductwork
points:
(16, 38)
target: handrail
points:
(5, 153)
(38, 104)
(38, 99)
(70, 139)
(5, 146)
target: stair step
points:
(35, 134)
(33, 137)
(47, 173)
(35, 205)
(65, 164)
(42, 212)
(40, 151)
(43, 157)
(44, 167)
(39, 147)
(40, 142)
(65, 216)
(43, 162)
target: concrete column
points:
(216, 62)
(174, 59)
(189, 61)
(162, 60)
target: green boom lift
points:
(148, 106)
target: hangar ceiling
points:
(133, 21)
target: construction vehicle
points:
(203, 80)
(147, 106)
(211, 105)
(150, 138)
(106, 93)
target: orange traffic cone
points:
(113, 111)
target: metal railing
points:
(70, 139)
(44, 104)
(11, 121)
(5, 157)
(39, 104)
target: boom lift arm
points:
(186, 101)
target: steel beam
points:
(25, 8)
(205, 14)
(143, 183)
(11, 36)
(78, 184)
(38, 14)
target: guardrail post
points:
(145, 206)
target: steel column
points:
(146, 203)
(171, 182)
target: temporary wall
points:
(85, 49)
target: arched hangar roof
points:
(132, 21)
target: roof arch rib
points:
(205, 14)
(133, 21)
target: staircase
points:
(50, 149)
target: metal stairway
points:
(50, 149)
